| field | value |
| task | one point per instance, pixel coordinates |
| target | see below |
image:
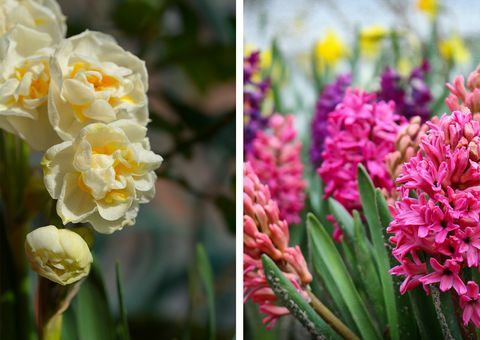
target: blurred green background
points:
(189, 49)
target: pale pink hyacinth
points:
(440, 228)
(360, 131)
(265, 233)
(463, 98)
(275, 157)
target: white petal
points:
(77, 93)
(100, 110)
(38, 133)
(108, 227)
(56, 162)
(135, 132)
(74, 204)
(112, 211)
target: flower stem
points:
(330, 318)
(53, 328)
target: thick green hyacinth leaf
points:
(368, 271)
(331, 286)
(425, 316)
(342, 217)
(206, 274)
(323, 248)
(368, 199)
(289, 297)
(446, 314)
(406, 320)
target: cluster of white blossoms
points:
(82, 101)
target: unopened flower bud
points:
(59, 255)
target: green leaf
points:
(206, 275)
(425, 315)
(368, 198)
(289, 297)
(383, 211)
(367, 268)
(123, 326)
(331, 285)
(93, 318)
(446, 314)
(342, 217)
(403, 304)
(324, 249)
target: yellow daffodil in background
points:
(370, 40)
(330, 50)
(453, 50)
(404, 66)
(428, 7)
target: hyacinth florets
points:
(331, 95)
(275, 157)
(437, 234)
(254, 92)
(465, 98)
(411, 94)
(266, 233)
(360, 131)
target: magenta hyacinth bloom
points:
(446, 275)
(411, 94)
(331, 95)
(265, 233)
(254, 92)
(275, 158)
(465, 98)
(470, 302)
(361, 131)
(442, 223)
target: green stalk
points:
(13, 181)
(330, 318)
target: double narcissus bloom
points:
(254, 92)
(436, 233)
(91, 94)
(43, 16)
(102, 175)
(266, 233)
(94, 80)
(59, 255)
(360, 131)
(411, 94)
(24, 85)
(331, 95)
(465, 98)
(275, 158)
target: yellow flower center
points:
(100, 81)
(38, 81)
(124, 164)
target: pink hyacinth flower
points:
(275, 158)
(470, 302)
(463, 98)
(360, 131)
(447, 275)
(266, 233)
